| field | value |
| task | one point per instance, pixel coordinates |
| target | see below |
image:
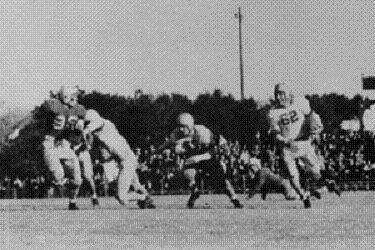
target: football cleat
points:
(147, 203)
(193, 197)
(251, 194)
(307, 203)
(333, 187)
(95, 202)
(316, 194)
(237, 203)
(264, 194)
(73, 206)
(122, 202)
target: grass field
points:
(332, 223)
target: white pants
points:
(306, 153)
(54, 154)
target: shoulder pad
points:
(55, 106)
(303, 104)
(79, 110)
(204, 134)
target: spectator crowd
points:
(348, 158)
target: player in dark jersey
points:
(63, 119)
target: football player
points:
(287, 125)
(196, 144)
(81, 146)
(108, 137)
(62, 115)
(263, 179)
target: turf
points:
(334, 222)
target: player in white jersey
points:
(287, 124)
(107, 135)
(196, 144)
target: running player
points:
(62, 115)
(286, 121)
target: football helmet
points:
(283, 95)
(69, 95)
(185, 122)
(185, 119)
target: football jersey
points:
(111, 139)
(56, 117)
(289, 122)
(61, 119)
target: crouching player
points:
(196, 144)
(107, 135)
(263, 179)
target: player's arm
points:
(80, 112)
(20, 125)
(206, 142)
(312, 119)
(172, 141)
(48, 108)
(275, 130)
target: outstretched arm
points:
(20, 125)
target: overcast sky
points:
(188, 47)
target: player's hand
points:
(80, 125)
(14, 135)
(86, 134)
(292, 145)
(179, 149)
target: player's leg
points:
(124, 181)
(277, 181)
(219, 177)
(289, 161)
(265, 179)
(291, 166)
(88, 173)
(52, 160)
(313, 169)
(257, 183)
(139, 188)
(118, 147)
(190, 174)
(72, 170)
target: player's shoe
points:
(95, 202)
(307, 203)
(147, 203)
(306, 200)
(333, 187)
(73, 206)
(237, 203)
(193, 197)
(264, 193)
(316, 194)
(251, 194)
(122, 202)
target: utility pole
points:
(239, 16)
